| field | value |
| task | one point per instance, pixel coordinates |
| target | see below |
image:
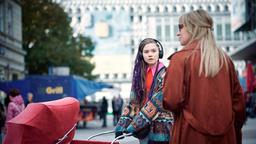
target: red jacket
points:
(211, 108)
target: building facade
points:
(243, 20)
(134, 20)
(12, 64)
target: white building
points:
(135, 20)
(12, 65)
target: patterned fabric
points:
(137, 116)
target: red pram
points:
(52, 122)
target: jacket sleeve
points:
(10, 111)
(150, 111)
(128, 114)
(173, 97)
(238, 104)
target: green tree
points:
(48, 40)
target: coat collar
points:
(191, 46)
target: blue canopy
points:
(46, 88)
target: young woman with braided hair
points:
(144, 116)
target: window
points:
(157, 9)
(174, 9)
(167, 32)
(132, 42)
(159, 32)
(228, 31)
(175, 27)
(115, 76)
(140, 18)
(124, 75)
(131, 9)
(149, 9)
(191, 8)
(226, 8)
(217, 9)
(14, 76)
(166, 9)
(70, 11)
(79, 19)
(131, 18)
(183, 9)
(139, 8)
(133, 51)
(78, 11)
(1, 18)
(227, 49)
(237, 36)
(106, 76)
(10, 20)
(219, 32)
(209, 8)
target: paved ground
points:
(249, 132)
(94, 127)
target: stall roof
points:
(246, 51)
(47, 88)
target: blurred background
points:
(97, 39)
(86, 48)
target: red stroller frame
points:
(52, 122)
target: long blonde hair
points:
(200, 25)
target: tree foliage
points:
(48, 40)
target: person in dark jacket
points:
(2, 119)
(104, 110)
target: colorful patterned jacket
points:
(137, 117)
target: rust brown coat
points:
(212, 111)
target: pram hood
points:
(44, 123)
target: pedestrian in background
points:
(15, 106)
(144, 116)
(104, 111)
(6, 102)
(119, 102)
(117, 106)
(29, 99)
(114, 109)
(201, 87)
(2, 120)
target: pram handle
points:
(108, 132)
(66, 135)
(121, 136)
(102, 133)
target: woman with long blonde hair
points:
(201, 87)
